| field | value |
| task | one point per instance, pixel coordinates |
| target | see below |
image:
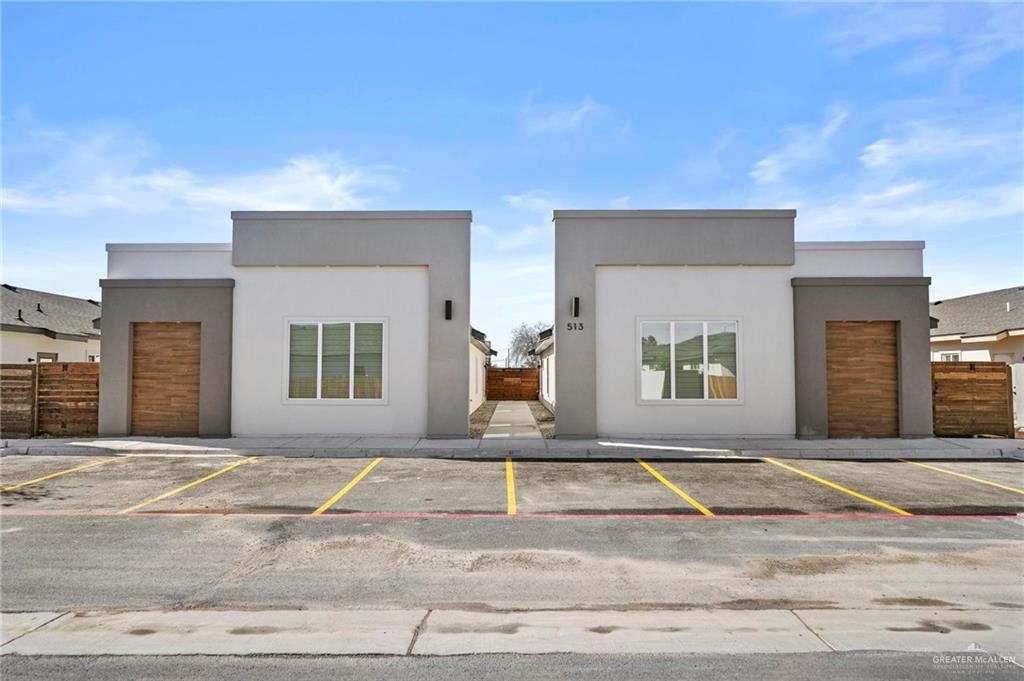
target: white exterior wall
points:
(17, 348)
(169, 261)
(759, 298)
(547, 379)
(267, 297)
(477, 377)
(858, 259)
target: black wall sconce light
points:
(575, 306)
(448, 310)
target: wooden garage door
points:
(165, 378)
(863, 383)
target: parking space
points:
(918, 490)
(298, 486)
(758, 488)
(728, 487)
(428, 486)
(607, 487)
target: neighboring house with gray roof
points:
(47, 327)
(983, 327)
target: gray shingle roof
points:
(981, 314)
(59, 314)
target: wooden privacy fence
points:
(61, 399)
(972, 398)
(513, 384)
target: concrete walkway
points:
(343, 446)
(512, 420)
(454, 632)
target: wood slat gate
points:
(59, 398)
(972, 398)
(513, 384)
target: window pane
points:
(689, 360)
(654, 359)
(722, 360)
(369, 365)
(334, 366)
(302, 360)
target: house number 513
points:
(574, 326)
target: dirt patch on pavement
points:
(811, 566)
(933, 627)
(914, 602)
(479, 419)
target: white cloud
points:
(804, 144)
(569, 118)
(911, 208)
(531, 200)
(928, 142)
(108, 170)
(621, 202)
(961, 38)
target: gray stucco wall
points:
(900, 299)
(585, 239)
(207, 301)
(438, 239)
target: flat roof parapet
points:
(351, 215)
(676, 213)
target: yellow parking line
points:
(189, 485)
(690, 500)
(510, 486)
(863, 497)
(965, 476)
(347, 488)
(64, 472)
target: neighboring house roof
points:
(54, 315)
(479, 338)
(983, 314)
(547, 340)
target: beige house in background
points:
(46, 327)
(983, 327)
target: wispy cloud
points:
(110, 170)
(565, 118)
(924, 141)
(804, 144)
(922, 176)
(961, 38)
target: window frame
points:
(944, 353)
(705, 401)
(319, 322)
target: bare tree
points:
(523, 339)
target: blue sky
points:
(151, 122)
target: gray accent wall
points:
(900, 299)
(438, 239)
(586, 239)
(207, 301)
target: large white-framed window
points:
(688, 360)
(336, 360)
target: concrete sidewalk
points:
(457, 632)
(512, 420)
(467, 448)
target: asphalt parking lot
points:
(218, 484)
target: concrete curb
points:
(567, 454)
